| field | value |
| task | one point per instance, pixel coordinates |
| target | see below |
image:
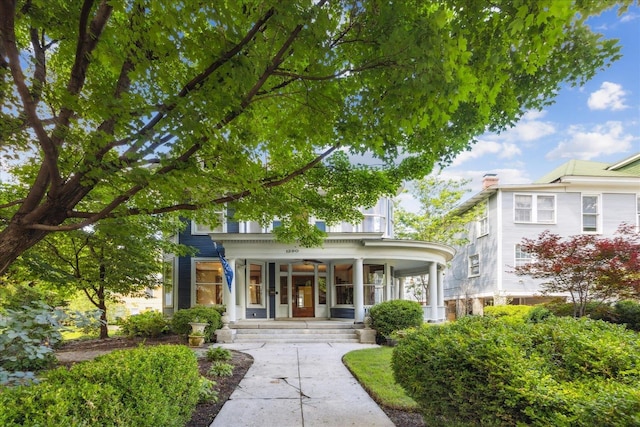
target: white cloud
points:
(610, 96)
(479, 149)
(534, 114)
(529, 130)
(628, 17)
(609, 138)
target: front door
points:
(302, 293)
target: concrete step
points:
(292, 335)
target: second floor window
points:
(483, 221)
(534, 208)
(206, 229)
(474, 265)
(590, 213)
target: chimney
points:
(489, 180)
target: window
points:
(522, 257)
(284, 284)
(256, 285)
(534, 208)
(206, 229)
(590, 213)
(375, 218)
(483, 221)
(373, 276)
(167, 282)
(474, 265)
(343, 278)
(208, 281)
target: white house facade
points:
(577, 197)
(356, 267)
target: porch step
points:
(296, 332)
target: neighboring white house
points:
(577, 197)
(356, 267)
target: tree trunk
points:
(14, 241)
(104, 326)
(102, 305)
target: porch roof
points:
(408, 257)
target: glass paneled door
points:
(303, 296)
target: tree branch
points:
(15, 202)
(49, 169)
(87, 41)
(190, 86)
(93, 217)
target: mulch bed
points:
(80, 350)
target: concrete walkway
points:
(299, 385)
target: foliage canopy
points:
(112, 109)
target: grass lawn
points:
(372, 368)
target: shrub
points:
(628, 313)
(27, 338)
(508, 313)
(127, 387)
(538, 314)
(147, 324)
(560, 371)
(211, 315)
(221, 369)
(207, 391)
(218, 354)
(391, 316)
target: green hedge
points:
(148, 324)
(147, 386)
(391, 316)
(211, 315)
(509, 313)
(622, 312)
(560, 372)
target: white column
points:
(400, 288)
(441, 309)
(388, 283)
(240, 288)
(433, 291)
(358, 290)
(229, 297)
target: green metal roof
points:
(626, 168)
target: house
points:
(577, 197)
(357, 266)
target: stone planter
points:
(198, 327)
(196, 340)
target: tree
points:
(111, 109)
(114, 258)
(587, 266)
(436, 221)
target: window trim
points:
(196, 229)
(263, 284)
(522, 261)
(483, 221)
(470, 272)
(534, 208)
(166, 262)
(335, 285)
(194, 292)
(598, 213)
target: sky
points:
(599, 121)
